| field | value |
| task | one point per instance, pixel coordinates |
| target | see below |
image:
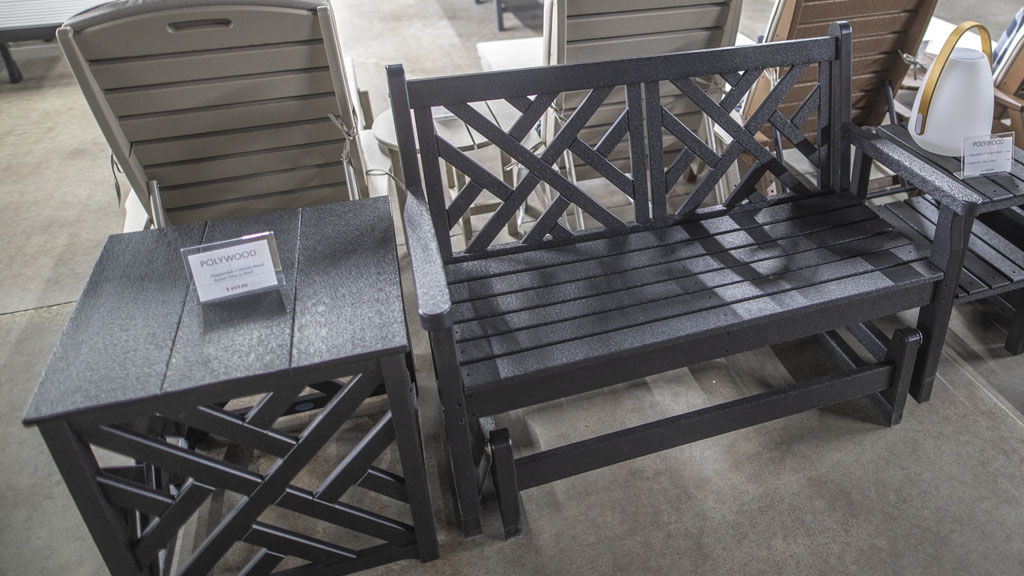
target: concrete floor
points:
(826, 492)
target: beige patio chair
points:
(220, 108)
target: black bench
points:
(657, 286)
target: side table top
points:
(138, 332)
(998, 190)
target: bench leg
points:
(503, 473)
(1015, 339)
(457, 432)
(901, 353)
(13, 72)
(952, 234)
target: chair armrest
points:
(1008, 100)
(428, 275)
(939, 185)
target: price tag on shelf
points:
(234, 267)
(990, 154)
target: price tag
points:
(234, 267)
(990, 154)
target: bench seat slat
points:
(522, 317)
(874, 292)
(992, 264)
(688, 261)
(745, 282)
(556, 276)
(521, 262)
(969, 283)
(979, 266)
(1009, 263)
(697, 281)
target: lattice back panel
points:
(453, 180)
(256, 483)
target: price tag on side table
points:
(989, 154)
(234, 267)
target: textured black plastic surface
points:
(133, 337)
(898, 157)
(696, 282)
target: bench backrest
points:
(594, 30)
(641, 194)
(226, 104)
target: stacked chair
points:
(220, 108)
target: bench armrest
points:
(427, 267)
(945, 188)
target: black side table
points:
(144, 371)
(993, 265)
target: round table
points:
(461, 136)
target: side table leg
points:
(78, 467)
(13, 72)
(405, 415)
(1015, 339)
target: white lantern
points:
(957, 98)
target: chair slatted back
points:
(641, 128)
(881, 30)
(227, 107)
(1009, 73)
(595, 30)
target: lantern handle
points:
(940, 63)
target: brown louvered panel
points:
(831, 10)
(885, 43)
(189, 66)
(858, 84)
(871, 25)
(232, 117)
(881, 29)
